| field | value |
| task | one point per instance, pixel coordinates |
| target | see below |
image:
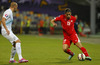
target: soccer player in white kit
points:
(6, 31)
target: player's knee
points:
(64, 50)
(79, 45)
(18, 41)
(14, 44)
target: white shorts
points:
(11, 37)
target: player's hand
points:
(54, 24)
(8, 32)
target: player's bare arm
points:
(4, 24)
(53, 22)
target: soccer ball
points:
(81, 57)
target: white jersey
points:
(8, 15)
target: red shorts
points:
(69, 39)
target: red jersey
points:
(67, 25)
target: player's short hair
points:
(67, 10)
(13, 4)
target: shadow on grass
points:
(60, 61)
(96, 59)
(2, 63)
(9, 64)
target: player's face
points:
(15, 8)
(68, 15)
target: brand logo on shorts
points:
(64, 40)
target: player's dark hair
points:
(67, 10)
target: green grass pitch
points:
(46, 51)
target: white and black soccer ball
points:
(81, 57)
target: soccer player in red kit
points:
(67, 22)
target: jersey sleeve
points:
(6, 15)
(57, 18)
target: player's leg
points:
(18, 50)
(67, 50)
(79, 45)
(66, 45)
(77, 42)
(17, 44)
(13, 50)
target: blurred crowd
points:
(81, 27)
(28, 22)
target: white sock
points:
(18, 49)
(13, 52)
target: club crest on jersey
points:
(71, 20)
(6, 15)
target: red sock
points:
(84, 51)
(69, 52)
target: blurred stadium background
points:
(33, 16)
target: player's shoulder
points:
(62, 16)
(73, 17)
(7, 11)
